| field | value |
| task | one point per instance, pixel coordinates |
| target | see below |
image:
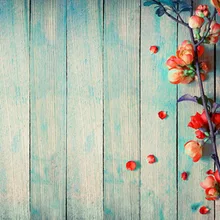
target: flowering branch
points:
(208, 29)
(184, 68)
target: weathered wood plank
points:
(85, 110)
(190, 195)
(158, 181)
(121, 108)
(14, 108)
(48, 109)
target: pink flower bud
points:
(202, 11)
(194, 150)
(196, 21)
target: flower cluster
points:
(201, 28)
(199, 122)
(181, 67)
(211, 185)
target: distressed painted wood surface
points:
(158, 182)
(14, 108)
(79, 97)
(85, 109)
(48, 109)
(121, 109)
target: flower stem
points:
(202, 93)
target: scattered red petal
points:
(154, 49)
(210, 172)
(131, 165)
(204, 210)
(184, 175)
(151, 159)
(162, 114)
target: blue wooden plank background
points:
(80, 93)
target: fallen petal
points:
(204, 210)
(184, 175)
(162, 114)
(131, 165)
(154, 49)
(151, 159)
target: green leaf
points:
(199, 100)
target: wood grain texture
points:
(85, 110)
(48, 109)
(14, 108)
(158, 181)
(190, 195)
(121, 112)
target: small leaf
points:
(187, 97)
(199, 100)
(160, 11)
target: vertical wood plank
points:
(158, 188)
(190, 195)
(85, 110)
(14, 109)
(48, 109)
(121, 108)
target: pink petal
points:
(151, 159)
(131, 165)
(204, 210)
(162, 115)
(184, 175)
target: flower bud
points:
(196, 21)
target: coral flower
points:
(209, 182)
(200, 50)
(216, 120)
(214, 29)
(212, 39)
(196, 21)
(202, 11)
(198, 121)
(176, 76)
(200, 135)
(211, 185)
(212, 194)
(194, 150)
(204, 67)
(174, 62)
(185, 52)
(216, 3)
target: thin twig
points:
(212, 134)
